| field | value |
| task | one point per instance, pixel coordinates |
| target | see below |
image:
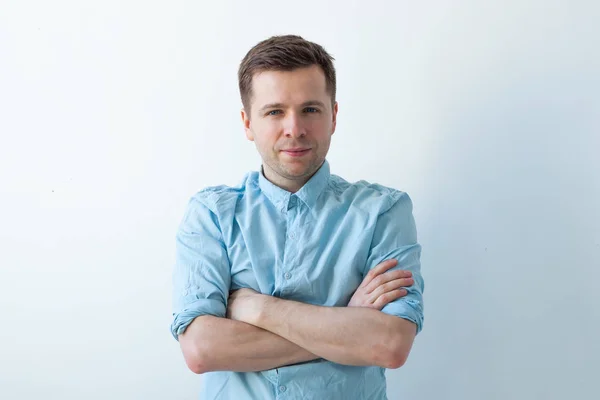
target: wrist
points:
(265, 304)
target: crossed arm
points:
(220, 344)
(345, 335)
(264, 332)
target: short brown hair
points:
(284, 53)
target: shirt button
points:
(282, 388)
(292, 236)
(287, 275)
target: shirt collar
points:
(309, 193)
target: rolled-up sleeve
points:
(202, 274)
(396, 237)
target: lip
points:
(296, 152)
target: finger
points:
(388, 297)
(387, 277)
(378, 270)
(390, 286)
(400, 273)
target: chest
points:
(317, 257)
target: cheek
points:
(321, 130)
(266, 138)
(320, 126)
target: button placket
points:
(291, 249)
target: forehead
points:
(289, 86)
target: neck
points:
(290, 185)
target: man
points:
(289, 286)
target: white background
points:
(113, 113)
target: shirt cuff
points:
(196, 309)
(408, 309)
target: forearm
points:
(220, 344)
(345, 335)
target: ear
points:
(334, 117)
(246, 122)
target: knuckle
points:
(380, 290)
(401, 274)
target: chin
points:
(296, 174)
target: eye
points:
(311, 110)
(274, 112)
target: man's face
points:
(291, 123)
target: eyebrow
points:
(281, 105)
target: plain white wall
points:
(113, 113)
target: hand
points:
(380, 287)
(244, 305)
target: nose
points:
(293, 126)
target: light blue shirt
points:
(313, 246)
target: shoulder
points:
(222, 199)
(370, 196)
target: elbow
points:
(397, 345)
(196, 365)
(391, 354)
(197, 345)
(198, 369)
(194, 359)
(391, 357)
(396, 359)
(195, 355)
(197, 362)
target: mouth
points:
(295, 152)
